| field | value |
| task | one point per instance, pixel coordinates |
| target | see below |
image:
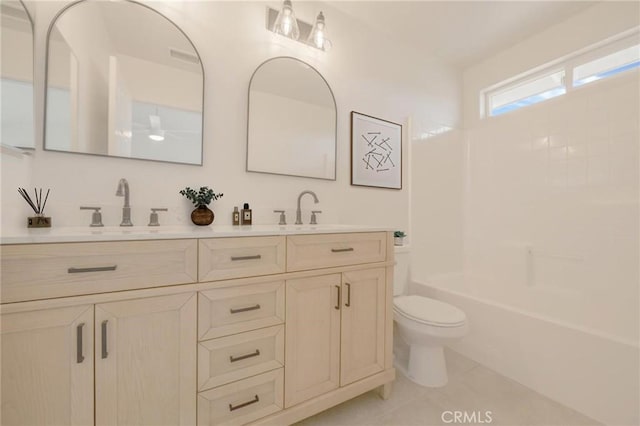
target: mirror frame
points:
(46, 87)
(33, 73)
(335, 165)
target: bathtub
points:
(592, 372)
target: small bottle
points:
(236, 216)
(246, 214)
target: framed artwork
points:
(376, 152)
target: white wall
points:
(551, 226)
(366, 72)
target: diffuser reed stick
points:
(37, 206)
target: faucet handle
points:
(96, 217)
(313, 217)
(283, 218)
(153, 217)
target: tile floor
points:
(471, 388)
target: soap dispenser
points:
(246, 214)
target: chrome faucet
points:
(298, 211)
(123, 191)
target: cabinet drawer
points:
(224, 258)
(227, 359)
(42, 271)
(242, 402)
(324, 251)
(232, 310)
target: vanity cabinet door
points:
(312, 337)
(363, 324)
(145, 355)
(47, 367)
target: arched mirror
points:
(16, 83)
(292, 121)
(123, 81)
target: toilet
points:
(425, 325)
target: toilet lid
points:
(429, 311)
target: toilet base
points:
(427, 366)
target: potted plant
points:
(398, 238)
(201, 215)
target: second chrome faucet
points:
(298, 211)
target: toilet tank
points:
(401, 270)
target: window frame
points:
(567, 64)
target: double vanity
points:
(223, 325)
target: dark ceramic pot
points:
(202, 216)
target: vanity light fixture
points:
(317, 37)
(284, 22)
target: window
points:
(605, 59)
(607, 66)
(527, 93)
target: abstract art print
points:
(376, 152)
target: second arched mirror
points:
(292, 121)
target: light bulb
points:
(317, 37)
(286, 23)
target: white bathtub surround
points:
(594, 373)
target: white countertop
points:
(116, 233)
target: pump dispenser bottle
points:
(246, 215)
(236, 216)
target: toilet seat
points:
(428, 311)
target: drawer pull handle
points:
(103, 326)
(79, 355)
(342, 250)
(348, 295)
(248, 308)
(254, 257)
(338, 303)
(241, 357)
(244, 404)
(92, 269)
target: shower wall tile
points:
(551, 207)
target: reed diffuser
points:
(39, 220)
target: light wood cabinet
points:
(145, 364)
(43, 271)
(231, 310)
(329, 250)
(241, 402)
(225, 258)
(47, 367)
(143, 350)
(335, 332)
(363, 324)
(240, 330)
(312, 337)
